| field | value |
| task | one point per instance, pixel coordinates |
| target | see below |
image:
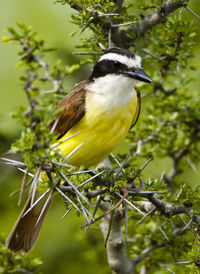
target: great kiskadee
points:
(96, 117)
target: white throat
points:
(113, 90)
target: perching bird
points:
(96, 117)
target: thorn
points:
(124, 24)
(147, 162)
(129, 203)
(54, 126)
(85, 209)
(79, 172)
(67, 198)
(90, 179)
(197, 16)
(13, 163)
(65, 214)
(29, 174)
(145, 216)
(74, 188)
(162, 175)
(121, 167)
(37, 201)
(74, 150)
(45, 207)
(61, 164)
(34, 184)
(115, 159)
(161, 229)
(64, 140)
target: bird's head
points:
(122, 62)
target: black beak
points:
(139, 75)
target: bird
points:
(95, 117)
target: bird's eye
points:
(116, 64)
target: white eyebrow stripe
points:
(130, 62)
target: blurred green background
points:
(62, 246)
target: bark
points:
(116, 246)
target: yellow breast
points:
(101, 129)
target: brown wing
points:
(73, 106)
(137, 113)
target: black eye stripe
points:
(106, 66)
(116, 63)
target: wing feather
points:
(137, 113)
(73, 106)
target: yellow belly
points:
(97, 134)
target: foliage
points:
(15, 263)
(168, 127)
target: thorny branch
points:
(47, 77)
(120, 37)
(116, 245)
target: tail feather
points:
(27, 227)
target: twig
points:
(109, 228)
(153, 55)
(147, 251)
(95, 193)
(121, 37)
(110, 210)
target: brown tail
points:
(27, 227)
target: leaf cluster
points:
(16, 263)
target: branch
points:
(167, 209)
(47, 77)
(120, 37)
(157, 17)
(175, 170)
(116, 247)
(147, 251)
